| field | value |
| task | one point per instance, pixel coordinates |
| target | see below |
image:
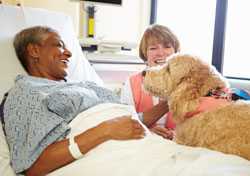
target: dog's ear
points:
(190, 70)
(183, 101)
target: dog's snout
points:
(144, 72)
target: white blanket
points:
(151, 156)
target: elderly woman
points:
(40, 106)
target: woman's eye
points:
(152, 48)
(60, 44)
(167, 46)
(57, 44)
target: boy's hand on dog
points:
(164, 132)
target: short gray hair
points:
(32, 35)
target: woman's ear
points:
(33, 51)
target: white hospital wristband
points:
(74, 149)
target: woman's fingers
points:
(122, 128)
(136, 124)
(138, 131)
(139, 136)
(164, 132)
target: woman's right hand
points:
(164, 132)
(123, 128)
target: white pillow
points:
(13, 19)
(5, 168)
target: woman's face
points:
(53, 57)
(157, 53)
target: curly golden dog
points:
(200, 102)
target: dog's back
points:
(225, 129)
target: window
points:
(237, 37)
(217, 30)
(193, 23)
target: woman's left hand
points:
(164, 132)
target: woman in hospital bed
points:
(37, 144)
(41, 109)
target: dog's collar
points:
(219, 92)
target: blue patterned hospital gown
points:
(37, 112)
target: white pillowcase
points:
(5, 168)
(13, 19)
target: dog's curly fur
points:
(182, 81)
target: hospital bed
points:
(151, 156)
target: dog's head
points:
(183, 75)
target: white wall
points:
(71, 8)
(122, 23)
(66, 6)
(125, 23)
(8, 2)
